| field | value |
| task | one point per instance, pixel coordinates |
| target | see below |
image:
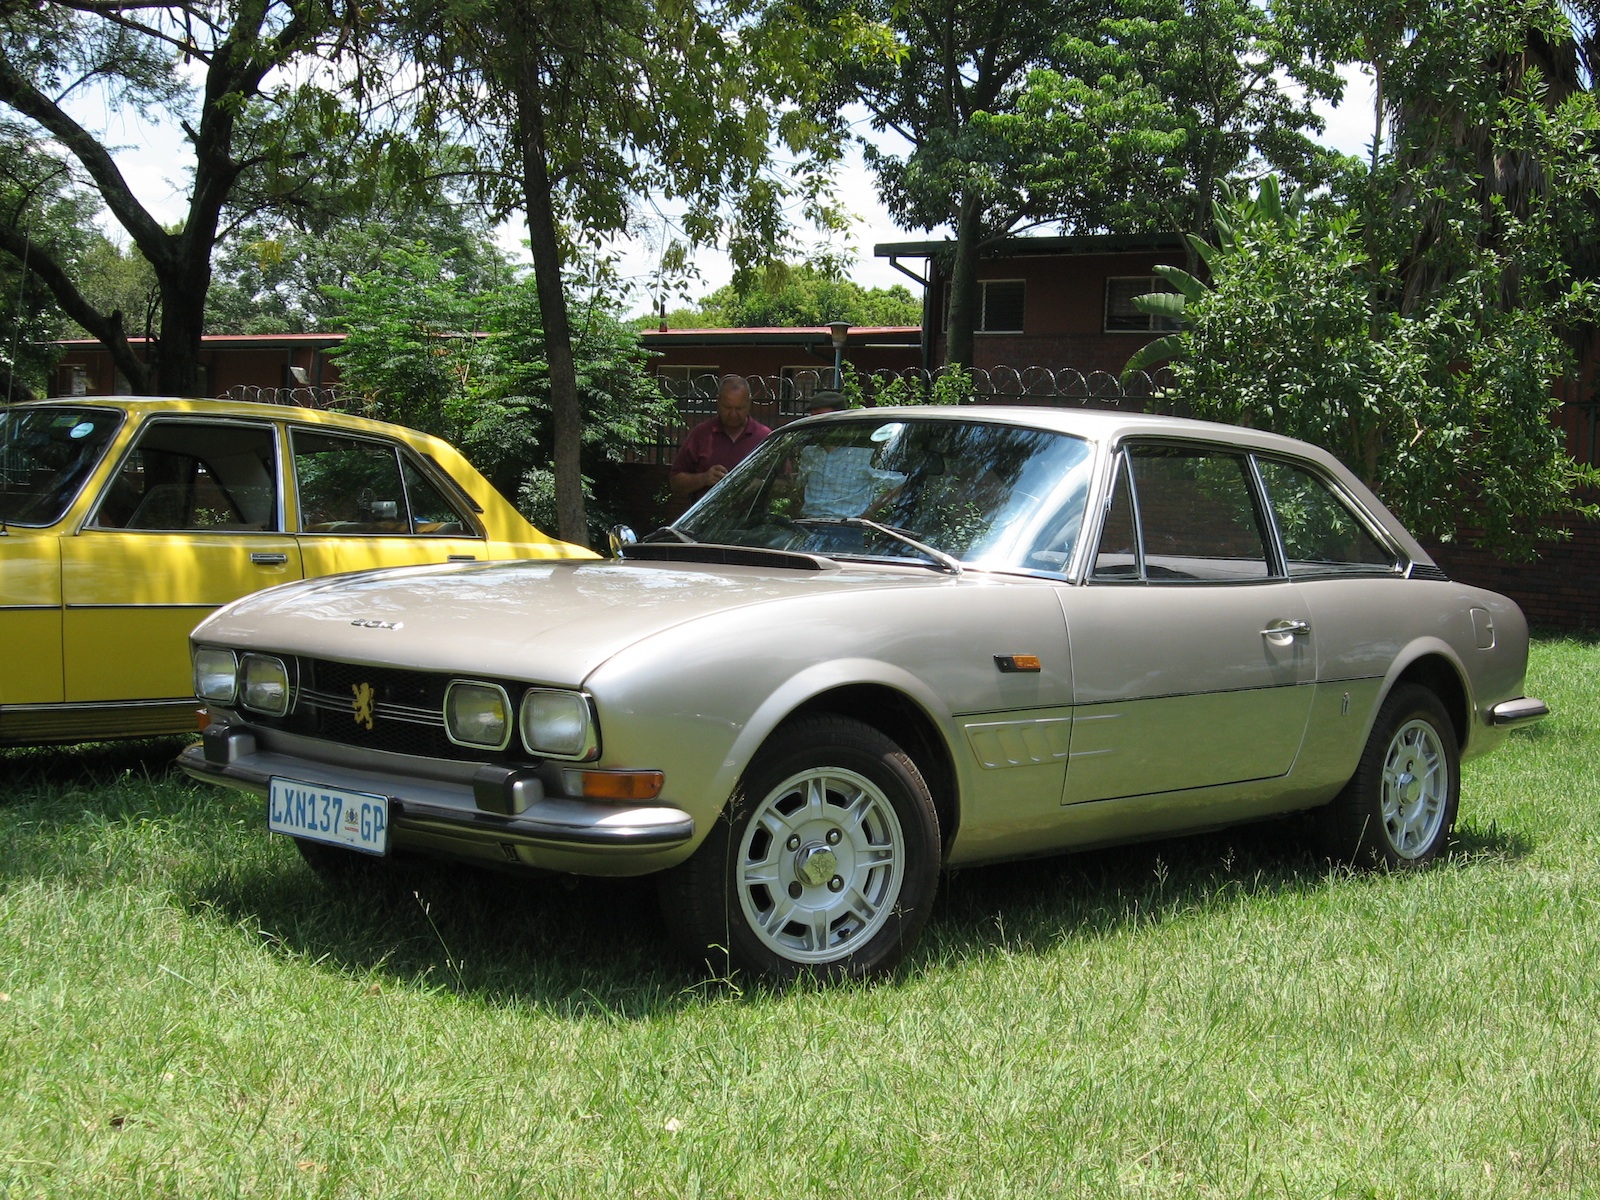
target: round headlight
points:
(557, 724)
(264, 684)
(216, 674)
(477, 714)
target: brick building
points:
(236, 364)
(1052, 302)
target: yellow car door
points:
(366, 502)
(191, 518)
(30, 617)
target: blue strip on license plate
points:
(357, 820)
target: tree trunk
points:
(572, 523)
(175, 366)
(963, 315)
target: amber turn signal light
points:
(614, 785)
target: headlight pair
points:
(260, 682)
(553, 723)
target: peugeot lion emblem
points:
(362, 704)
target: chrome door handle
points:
(1286, 629)
(263, 558)
(461, 558)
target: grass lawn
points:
(185, 1011)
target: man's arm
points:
(681, 483)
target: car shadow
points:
(600, 947)
(29, 770)
(581, 947)
(1038, 904)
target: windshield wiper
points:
(677, 533)
(938, 557)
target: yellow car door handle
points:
(268, 558)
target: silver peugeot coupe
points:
(891, 641)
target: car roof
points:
(252, 409)
(1098, 425)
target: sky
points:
(153, 158)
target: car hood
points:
(546, 622)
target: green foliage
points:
(52, 217)
(787, 295)
(236, 73)
(281, 272)
(1444, 409)
(427, 350)
(115, 279)
(1189, 95)
(951, 385)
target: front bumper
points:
(444, 817)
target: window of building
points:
(1122, 316)
(1000, 303)
(1000, 310)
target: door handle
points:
(1286, 629)
(264, 558)
(462, 558)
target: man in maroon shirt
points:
(714, 447)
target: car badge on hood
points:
(362, 704)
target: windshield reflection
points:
(986, 494)
(46, 454)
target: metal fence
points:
(777, 399)
(299, 397)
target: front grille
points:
(407, 711)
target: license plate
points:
(322, 814)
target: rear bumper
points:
(1524, 710)
(429, 814)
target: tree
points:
(1223, 90)
(427, 350)
(580, 109)
(799, 295)
(952, 71)
(1088, 116)
(1441, 405)
(245, 124)
(287, 276)
(36, 197)
(1418, 326)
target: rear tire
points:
(1399, 807)
(824, 863)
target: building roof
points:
(797, 335)
(231, 341)
(1026, 247)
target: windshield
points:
(992, 495)
(45, 456)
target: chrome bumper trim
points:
(1524, 710)
(428, 806)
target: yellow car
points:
(124, 522)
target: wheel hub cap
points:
(820, 865)
(816, 865)
(1415, 789)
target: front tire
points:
(1399, 807)
(825, 861)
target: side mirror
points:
(620, 536)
